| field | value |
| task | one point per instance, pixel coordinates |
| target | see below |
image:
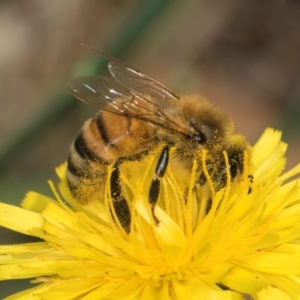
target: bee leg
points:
(120, 204)
(160, 170)
(210, 168)
(236, 164)
(237, 167)
(202, 180)
(251, 181)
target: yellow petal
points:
(245, 281)
(19, 219)
(195, 289)
(274, 263)
(273, 293)
(24, 248)
(151, 292)
(36, 202)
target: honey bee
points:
(138, 114)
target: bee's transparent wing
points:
(139, 83)
(130, 93)
(108, 95)
(100, 92)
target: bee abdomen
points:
(82, 161)
(85, 169)
(102, 129)
(85, 152)
(76, 170)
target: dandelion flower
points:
(247, 244)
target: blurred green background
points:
(242, 55)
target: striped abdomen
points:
(102, 141)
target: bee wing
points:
(142, 84)
(130, 93)
(100, 92)
(138, 82)
(107, 94)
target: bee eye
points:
(200, 138)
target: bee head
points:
(209, 125)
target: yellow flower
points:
(248, 243)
